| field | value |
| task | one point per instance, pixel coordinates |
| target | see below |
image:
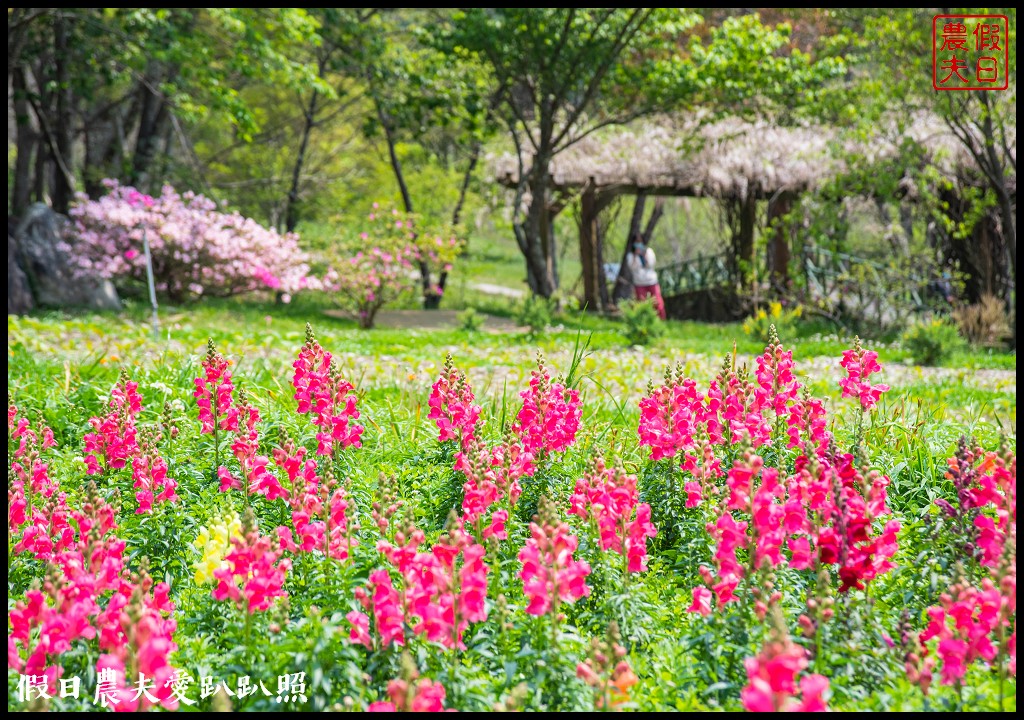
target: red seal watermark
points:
(970, 52)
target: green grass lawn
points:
(62, 366)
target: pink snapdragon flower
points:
(254, 476)
(492, 483)
(31, 483)
(776, 382)
(550, 574)
(385, 604)
(321, 392)
(451, 406)
(150, 478)
(213, 393)
(860, 364)
(669, 417)
(319, 506)
(965, 623)
(423, 695)
(255, 571)
(772, 681)
(608, 497)
(550, 416)
(441, 591)
(90, 600)
(114, 440)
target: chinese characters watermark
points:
(970, 52)
(110, 692)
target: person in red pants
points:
(641, 262)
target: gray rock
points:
(48, 269)
(19, 295)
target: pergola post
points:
(588, 248)
(592, 203)
(778, 244)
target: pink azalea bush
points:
(197, 250)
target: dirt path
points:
(430, 320)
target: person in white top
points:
(641, 262)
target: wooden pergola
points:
(738, 161)
(742, 162)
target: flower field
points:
(284, 519)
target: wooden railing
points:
(826, 278)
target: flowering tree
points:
(381, 267)
(196, 249)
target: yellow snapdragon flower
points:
(214, 542)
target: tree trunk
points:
(907, 222)
(778, 248)
(653, 218)
(591, 270)
(27, 139)
(748, 221)
(153, 118)
(474, 158)
(602, 285)
(431, 301)
(39, 180)
(103, 151)
(62, 187)
(291, 211)
(534, 233)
